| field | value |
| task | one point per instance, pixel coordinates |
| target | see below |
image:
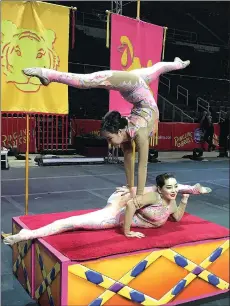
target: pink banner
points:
(134, 44)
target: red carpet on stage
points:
(87, 245)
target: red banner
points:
(165, 134)
(14, 134)
(85, 126)
(187, 136)
(134, 44)
(171, 137)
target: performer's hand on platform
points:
(134, 235)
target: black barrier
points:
(197, 152)
(196, 155)
(153, 156)
(91, 145)
(60, 161)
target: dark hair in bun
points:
(160, 179)
(113, 122)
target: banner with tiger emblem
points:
(33, 34)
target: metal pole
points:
(163, 110)
(173, 113)
(197, 106)
(27, 165)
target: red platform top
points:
(86, 245)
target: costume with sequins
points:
(134, 88)
(111, 216)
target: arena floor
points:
(56, 189)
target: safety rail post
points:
(182, 91)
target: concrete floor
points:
(56, 189)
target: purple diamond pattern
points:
(116, 287)
(197, 270)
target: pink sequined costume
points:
(134, 87)
(112, 215)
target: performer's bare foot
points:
(23, 235)
(183, 63)
(37, 72)
(202, 189)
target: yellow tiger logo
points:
(128, 59)
(23, 48)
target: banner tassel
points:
(138, 9)
(163, 51)
(73, 22)
(107, 28)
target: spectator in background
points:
(207, 127)
(224, 136)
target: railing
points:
(181, 35)
(200, 104)
(46, 132)
(182, 91)
(222, 115)
(168, 110)
(166, 82)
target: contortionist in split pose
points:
(143, 120)
(120, 211)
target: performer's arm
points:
(149, 198)
(128, 163)
(178, 211)
(142, 143)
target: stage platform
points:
(180, 262)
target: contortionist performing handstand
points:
(143, 120)
(161, 201)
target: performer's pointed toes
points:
(36, 72)
(183, 63)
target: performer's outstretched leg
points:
(107, 79)
(109, 217)
(84, 81)
(195, 189)
(101, 219)
(152, 73)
